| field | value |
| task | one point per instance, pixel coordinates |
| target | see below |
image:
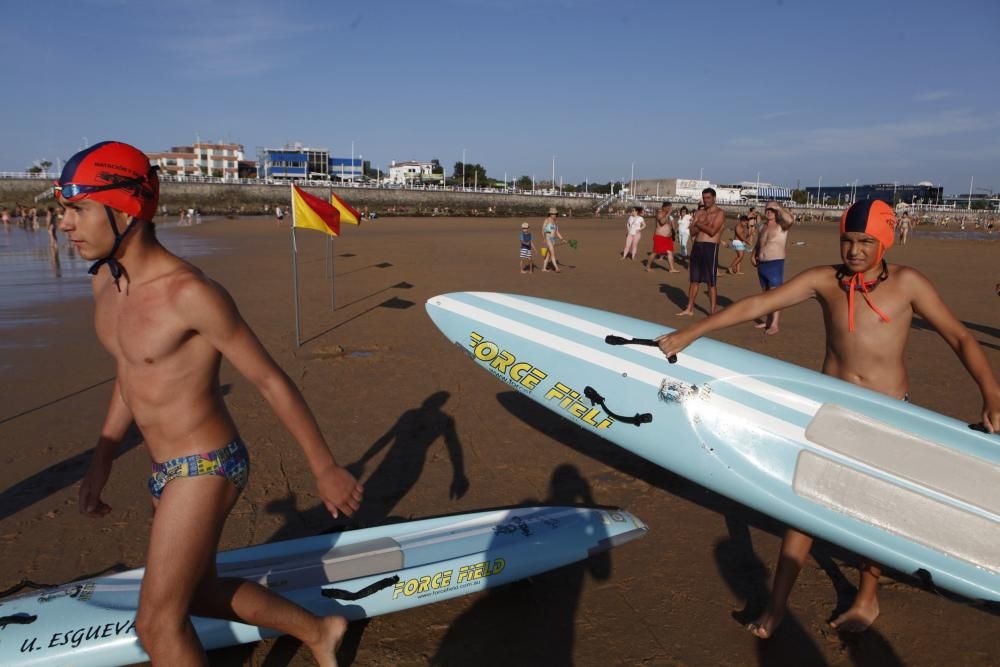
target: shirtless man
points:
(769, 256)
(740, 244)
(168, 326)
(704, 262)
(663, 238)
(866, 333)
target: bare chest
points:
(139, 328)
(871, 331)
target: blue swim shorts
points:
(771, 273)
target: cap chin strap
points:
(113, 265)
(857, 282)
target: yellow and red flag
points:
(347, 214)
(311, 212)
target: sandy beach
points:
(380, 376)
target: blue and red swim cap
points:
(97, 169)
(873, 217)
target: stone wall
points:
(237, 198)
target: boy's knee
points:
(155, 626)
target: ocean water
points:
(32, 273)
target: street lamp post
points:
(819, 191)
(553, 172)
(463, 168)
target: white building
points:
(410, 171)
(201, 159)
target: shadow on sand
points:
(530, 622)
(738, 564)
(409, 442)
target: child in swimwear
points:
(527, 250)
(740, 244)
(865, 346)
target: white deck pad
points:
(898, 453)
(943, 527)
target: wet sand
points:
(374, 370)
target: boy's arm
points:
(116, 423)
(210, 310)
(796, 290)
(927, 303)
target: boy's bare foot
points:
(674, 270)
(760, 325)
(764, 627)
(770, 331)
(325, 650)
(685, 313)
(858, 618)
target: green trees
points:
(472, 173)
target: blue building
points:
(890, 193)
(294, 163)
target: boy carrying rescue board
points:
(864, 345)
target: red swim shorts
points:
(662, 245)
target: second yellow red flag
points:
(347, 214)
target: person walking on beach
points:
(663, 238)
(683, 233)
(50, 225)
(740, 244)
(904, 228)
(168, 328)
(769, 256)
(633, 232)
(704, 263)
(527, 249)
(550, 232)
(865, 345)
(279, 215)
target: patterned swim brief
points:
(231, 461)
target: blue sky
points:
(795, 90)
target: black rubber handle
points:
(371, 589)
(611, 339)
(17, 619)
(596, 399)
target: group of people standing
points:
(764, 240)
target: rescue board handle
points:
(596, 399)
(612, 339)
(371, 589)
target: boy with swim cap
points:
(867, 305)
(168, 328)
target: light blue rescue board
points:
(901, 485)
(357, 574)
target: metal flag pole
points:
(329, 254)
(295, 269)
(329, 251)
